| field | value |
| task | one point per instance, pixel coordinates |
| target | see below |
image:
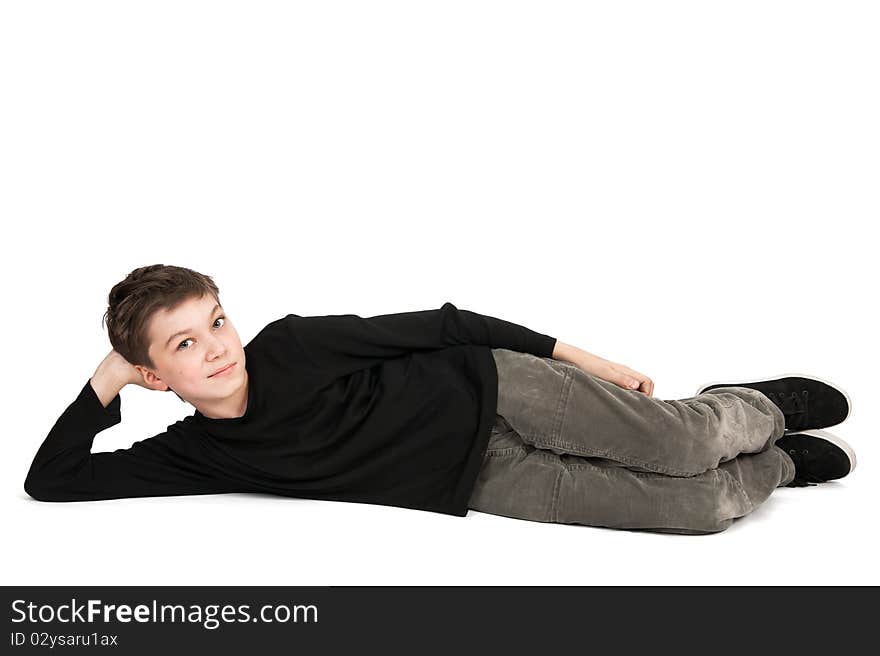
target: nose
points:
(218, 349)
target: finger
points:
(637, 381)
(625, 381)
(628, 378)
(620, 376)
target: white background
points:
(688, 188)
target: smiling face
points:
(190, 344)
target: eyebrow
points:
(189, 330)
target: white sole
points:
(831, 437)
(728, 383)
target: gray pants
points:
(571, 448)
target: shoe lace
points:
(790, 403)
(804, 476)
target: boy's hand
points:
(117, 368)
(627, 378)
(613, 372)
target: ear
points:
(151, 380)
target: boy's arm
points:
(338, 344)
(64, 469)
(348, 336)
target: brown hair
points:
(143, 292)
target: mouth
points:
(224, 371)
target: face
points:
(190, 343)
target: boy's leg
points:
(521, 481)
(555, 405)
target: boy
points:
(439, 410)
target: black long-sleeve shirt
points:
(393, 410)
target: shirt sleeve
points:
(166, 464)
(339, 339)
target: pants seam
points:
(554, 504)
(738, 485)
(561, 405)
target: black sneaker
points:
(818, 456)
(806, 401)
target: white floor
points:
(817, 535)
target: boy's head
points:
(167, 322)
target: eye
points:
(190, 339)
